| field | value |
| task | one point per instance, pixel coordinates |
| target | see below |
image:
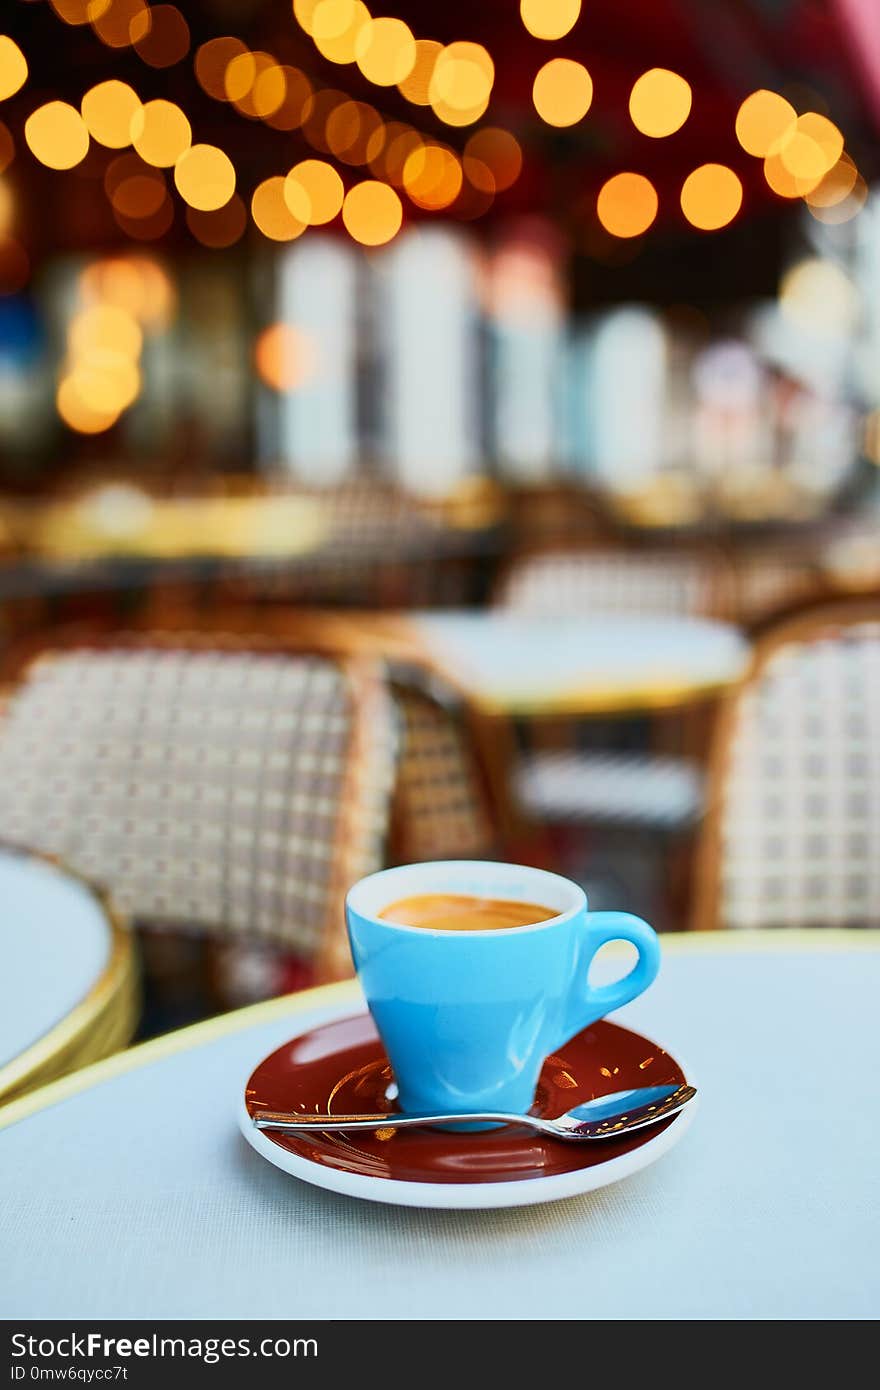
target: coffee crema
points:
(464, 912)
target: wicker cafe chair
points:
(611, 786)
(442, 808)
(582, 582)
(235, 793)
(792, 837)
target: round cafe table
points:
(67, 974)
(128, 1191)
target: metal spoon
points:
(607, 1117)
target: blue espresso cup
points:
(468, 1017)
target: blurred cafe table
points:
(67, 974)
(513, 665)
(129, 1192)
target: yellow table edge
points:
(821, 940)
(113, 994)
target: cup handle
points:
(603, 999)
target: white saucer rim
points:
(455, 1196)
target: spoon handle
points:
(284, 1123)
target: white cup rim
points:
(370, 895)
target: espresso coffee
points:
(463, 912)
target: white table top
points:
(765, 1209)
(512, 661)
(55, 942)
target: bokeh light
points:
(812, 149)
(13, 67)
(783, 182)
(104, 329)
(271, 213)
(135, 189)
(336, 28)
(297, 104)
(205, 177)
(108, 110)
(372, 213)
(562, 92)
(818, 295)
(837, 184)
(160, 133)
(627, 205)
(461, 83)
(389, 149)
(6, 208)
(56, 135)
(385, 51)
(416, 86)
(834, 214)
(222, 227)
(432, 177)
(211, 61)
(763, 121)
(113, 23)
(313, 192)
(283, 357)
(76, 414)
(349, 130)
(711, 197)
(495, 153)
(659, 103)
(549, 19)
(79, 11)
(160, 36)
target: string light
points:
(314, 192)
(271, 213)
(161, 133)
(221, 228)
(660, 103)
(13, 67)
(56, 135)
(763, 122)
(711, 197)
(205, 177)
(372, 213)
(549, 19)
(627, 205)
(562, 92)
(160, 36)
(108, 110)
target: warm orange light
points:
(385, 51)
(13, 67)
(7, 147)
(349, 130)
(323, 104)
(220, 228)
(304, 10)
(498, 155)
(763, 121)
(56, 135)
(848, 206)
(549, 19)
(837, 184)
(108, 110)
(77, 415)
(160, 36)
(297, 104)
(283, 357)
(147, 228)
(416, 85)
(627, 205)
(336, 28)
(6, 209)
(104, 328)
(205, 177)
(432, 177)
(659, 103)
(314, 192)
(784, 182)
(812, 148)
(113, 23)
(160, 133)
(272, 214)
(461, 83)
(562, 92)
(372, 213)
(268, 92)
(711, 197)
(140, 196)
(79, 11)
(388, 151)
(105, 385)
(211, 61)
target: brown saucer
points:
(341, 1066)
